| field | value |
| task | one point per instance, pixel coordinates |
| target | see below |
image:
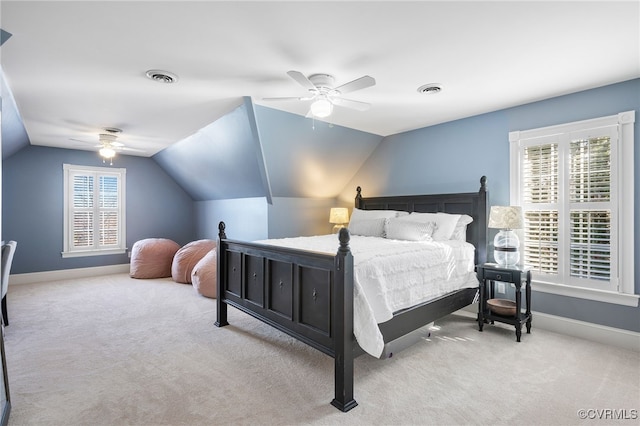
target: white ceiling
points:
(76, 67)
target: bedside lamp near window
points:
(339, 216)
(506, 243)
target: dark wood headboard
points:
(475, 204)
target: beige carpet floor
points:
(117, 351)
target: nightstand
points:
(488, 274)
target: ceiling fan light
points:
(107, 152)
(322, 108)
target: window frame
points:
(622, 201)
(96, 250)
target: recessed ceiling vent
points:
(162, 76)
(430, 89)
(112, 130)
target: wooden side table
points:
(488, 274)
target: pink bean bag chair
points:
(187, 257)
(203, 276)
(152, 258)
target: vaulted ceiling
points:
(77, 67)
(259, 152)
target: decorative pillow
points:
(203, 276)
(460, 231)
(402, 229)
(445, 223)
(152, 257)
(187, 257)
(359, 214)
(370, 229)
(367, 227)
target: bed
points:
(310, 294)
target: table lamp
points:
(339, 216)
(506, 243)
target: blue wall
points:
(310, 160)
(32, 207)
(252, 219)
(223, 160)
(451, 157)
(293, 217)
(245, 218)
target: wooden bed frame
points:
(309, 295)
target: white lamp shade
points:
(322, 108)
(339, 215)
(107, 152)
(506, 217)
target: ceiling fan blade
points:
(302, 80)
(126, 148)
(80, 140)
(357, 84)
(350, 103)
(291, 98)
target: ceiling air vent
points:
(162, 76)
(430, 89)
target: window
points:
(575, 185)
(94, 211)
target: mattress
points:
(392, 275)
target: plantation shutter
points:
(109, 211)
(590, 205)
(82, 211)
(94, 210)
(567, 192)
(540, 206)
(575, 183)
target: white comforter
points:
(390, 275)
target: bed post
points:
(358, 197)
(221, 310)
(483, 218)
(343, 326)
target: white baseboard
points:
(595, 332)
(585, 330)
(65, 274)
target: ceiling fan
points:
(108, 144)
(324, 96)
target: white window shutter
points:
(566, 190)
(94, 211)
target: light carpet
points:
(117, 351)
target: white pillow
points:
(368, 227)
(409, 230)
(445, 223)
(359, 214)
(460, 231)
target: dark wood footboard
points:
(305, 294)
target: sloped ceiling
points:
(256, 151)
(220, 161)
(307, 159)
(14, 135)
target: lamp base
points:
(506, 248)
